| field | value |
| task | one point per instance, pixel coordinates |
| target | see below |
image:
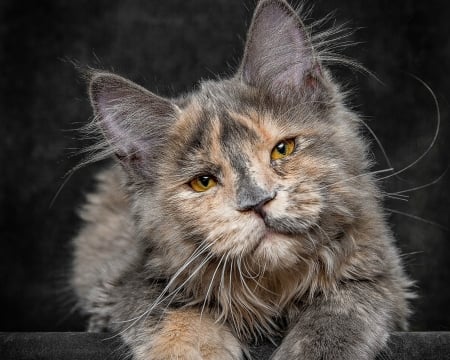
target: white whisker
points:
(162, 296)
(380, 145)
(415, 217)
(436, 133)
(206, 300)
(355, 177)
(421, 186)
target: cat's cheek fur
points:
(295, 210)
(212, 219)
(187, 334)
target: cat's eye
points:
(203, 183)
(282, 149)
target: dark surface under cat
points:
(94, 346)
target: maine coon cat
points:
(243, 210)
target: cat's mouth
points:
(269, 237)
(278, 233)
(290, 225)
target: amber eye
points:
(282, 149)
(203, 183)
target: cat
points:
(244, 210)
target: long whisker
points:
(180, 287)
(396, 196)
(68, 176)
(355, 177)
(251, 294)
(380, 145)
(176, 290)
(436, 133)
(435, 181)
(210, 285)
(230, 287)
(162, 296)
(415, 217)
(222, 277)
(246, 272)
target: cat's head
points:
(258, 166)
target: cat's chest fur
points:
(255, 305)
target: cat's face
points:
(248, 185)
(255, 179)
(254, 167)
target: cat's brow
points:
(189, 169)
(200, 135)
(233, 132)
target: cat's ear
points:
(278, 53)
(133, 120)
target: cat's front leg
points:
(185, 334)
(351, 324)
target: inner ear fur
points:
(278, 54)
(133, 120)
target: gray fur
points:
(296, 247)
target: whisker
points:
(415, 217)
(174, 293)
(405, 255)
(180, 287)
(251, 294)
(355, 177)
(222, 277)
(162, 296)
(67, 177)
(231, 276)
(210, 286)
(246, 272)
(436, 133)
(380, 145)
(435, 181)
(395, 196)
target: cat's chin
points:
(275, 250)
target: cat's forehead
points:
(218, 139)
(229, 113)
(206, 126)
(226, 122)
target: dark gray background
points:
(168, 46)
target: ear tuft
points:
(278, 54)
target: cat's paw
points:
(179, 351)
(185, 335)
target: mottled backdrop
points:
(168, 46)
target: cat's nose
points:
(256, 202)
(259, 208)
